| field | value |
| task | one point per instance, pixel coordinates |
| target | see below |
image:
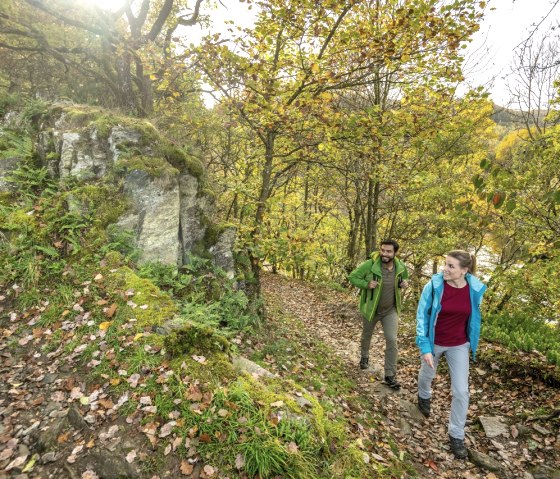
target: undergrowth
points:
(65, 263)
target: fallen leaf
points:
(186, 468)
(432, 465)
(209, 470)
(18, 461)
(110, 311)
(6, 454)
(89, 475)
(105, 325)
(63, 437)
(199, 359)
(133, 380)
(167, 428)
(293, 448)
(131, 456)
(106, 403)
(239, 462)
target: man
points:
(381, 279)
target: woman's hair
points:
(466, 260)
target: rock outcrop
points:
(170, 205)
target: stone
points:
(303, 402)
(545, 472)
(49, 457)
(47, 438)
(404, 427)
(484, 461)
(108, 465)
(193, 210)
(222, 251)
(76, 419)
(242, 364)
(49, 378)
(120, 138)
(169, 215)
(154, 217)
(7, 166)
(412, 410)
(493, 426)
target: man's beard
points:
(386, 260)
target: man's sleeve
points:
(357, 277)
(405, 274)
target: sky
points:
(491, 52)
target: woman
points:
(448, 323)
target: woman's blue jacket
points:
(429, 307)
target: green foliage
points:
(520, 332)
(15, 145)
(166, 276)
(9, 103)
(122, 241)
(31, 180)
(208, 296)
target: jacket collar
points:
(473, 281)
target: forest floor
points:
(311, 335)
(525, 445)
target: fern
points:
(14, 145)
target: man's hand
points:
(405, 284)
(372, 284)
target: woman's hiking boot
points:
(364, 363)
(392, 382)
(424, 406)
(458, 448)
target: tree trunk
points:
(255, 288)
(126, 99)
(372, 216)
(351, 252)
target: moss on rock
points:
(153, 307)
(156, 167)
(216, 369)
(213, 232)
(195, 338)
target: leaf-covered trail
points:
(526, 448)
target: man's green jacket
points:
(371, 269)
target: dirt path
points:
(526, 448)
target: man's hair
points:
(391, 242)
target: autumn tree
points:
(285, 76)
(119, 54)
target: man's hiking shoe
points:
(392, 382)
(458, 448)
(364, 363)
(424, 406)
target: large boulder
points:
(170, 205)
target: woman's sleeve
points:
(423, 319)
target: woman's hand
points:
(429, 359)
